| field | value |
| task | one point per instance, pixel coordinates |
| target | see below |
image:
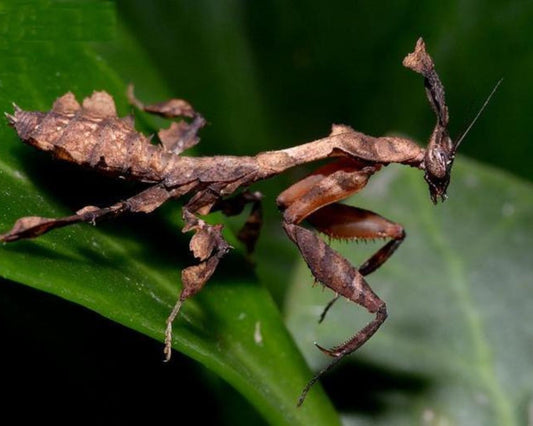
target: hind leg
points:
(144, 202)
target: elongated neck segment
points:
(343, 142)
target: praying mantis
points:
(93, 136)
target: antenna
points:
(478, 114)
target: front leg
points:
(314, 199)
(334, 271)
(339, 221)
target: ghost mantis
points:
(93, 136)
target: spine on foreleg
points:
(331, 269)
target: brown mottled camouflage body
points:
(92, 136)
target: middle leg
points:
(208, 245)
(249, 233)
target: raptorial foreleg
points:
(340, 221)
(314, 198)
(334, 271)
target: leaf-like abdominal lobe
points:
(93, 136)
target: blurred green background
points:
(308, 64)
(269, 75)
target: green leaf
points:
(129, 271)
(456, 348)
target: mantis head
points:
(438, 163)
(440, 152)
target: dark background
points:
(310, 64)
